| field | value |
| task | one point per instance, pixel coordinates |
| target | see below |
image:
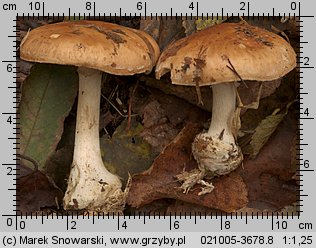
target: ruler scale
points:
(186, 230)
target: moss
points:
(202, 24)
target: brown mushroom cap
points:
(94, 44)
(202, 58)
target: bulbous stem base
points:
(216, 151)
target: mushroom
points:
(94, 47)
(218, 57)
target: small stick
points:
(232, 68)
(130, 107)
(118, 111)
(33, 161)
(198, 92)
(25, 37)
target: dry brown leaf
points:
(249, 90)
(180, 207)
(162, 30)
(189, 26)
(163, 116)
(36, 191)
(158, 131)
(151, 27)
(159, 181)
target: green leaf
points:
(264, 131)
(48, 95)
(126, 152)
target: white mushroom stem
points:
(90, 185)
(216, 151)
(223, 109)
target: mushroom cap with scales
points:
(202, 58)
(92, 44)
(218, 56)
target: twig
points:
(275, 29)
(130, 107)
(199, 64)
(232, 68)
(33, 161)
(198, 92)
(117, 110)
(25, 37)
